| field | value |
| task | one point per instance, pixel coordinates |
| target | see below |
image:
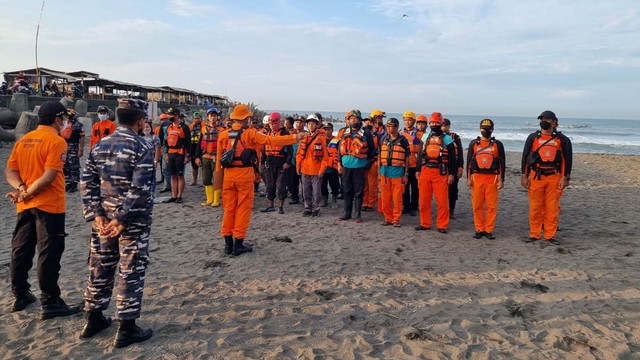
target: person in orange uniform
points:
(485, 177)
(178, 142)
(422, 123)
(411, 190)
(393, 164)
(547, 160)
(276, 161)
(237, 187)
(377, 116)
(311, 162)
(331, 176)
(205, 156)
(371, 183)
(102, 128)
(437, 168)
(35, 171)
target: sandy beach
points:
(319, 288)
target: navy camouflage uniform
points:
(72, 165)
(116, 183)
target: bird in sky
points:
(403, 16)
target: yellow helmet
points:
(409, 114)
(377, 112)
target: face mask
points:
(147, 132)
(436, 129)
(103, 116)
(64, 124)
(486, 133)
(357, 125)
(369, 127)
(545, 125)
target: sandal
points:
(269, 209)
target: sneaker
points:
(343, 218)
(554, 241)
(315, 213)
(164, 190)
(280, 210)
(490, 236)
(306, 213)
(58, 308)
(420, 228)
(397, 225)
(294, 202)
(171, 200)
(531, 239)
(178, 200)
(443, 231)
(478, 234)
(386, 223)
(268, 209)
(22, 301)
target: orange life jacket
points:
(549, 159)
(356, 146)
(66, 132)
(209, 141)
(455, 138)
(275, 150)
(392, 153)
(485, 159)
(332, 149)
(242, 157)
(434, 152)
(175, 137)
(414, 137)
(316, 146)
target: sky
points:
(579, 58)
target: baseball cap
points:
(50, 110)
(548, 114)
(394, 122)
(213, 110)
(133, 104)
(328, 125)
(173, 111)
(313, 117)
(102, 108)
(356, 113)
(486, 123)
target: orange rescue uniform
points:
(485, 167)
(237, 186)
(101, 129)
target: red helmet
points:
(274, 116)
(436, 118)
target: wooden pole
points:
(37, 66)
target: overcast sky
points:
(580, 58)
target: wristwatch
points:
(21, 184)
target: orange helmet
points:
(421, 118)
(436, 118)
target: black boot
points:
(228, 244)
(57, 308)
(347, 206)
(452, 209)
(239, 248)
(358, 208)
(96, 322)
(129, 333)
(325, 201)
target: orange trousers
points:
(431, 183)
(484, 197)
(371, 187)
(391, 190)
(544, 205)
(237, 202)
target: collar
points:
(48, 128)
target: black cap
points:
(548, 114)
(133, 104)
(394, 122)
(328, 125)
(103, 108)
(446, 122)
(486, 124)
(50, 110)
(173, 111)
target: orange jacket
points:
(101, 129)
(251, 139)
(415, 144)
(312, 157)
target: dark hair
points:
(46, 120)
(129, 116)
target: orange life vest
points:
(356, 146)
(275, 150)
(434, 152)
(316, 147)
(332, 149)
(485, 159)
(209, 141)
(66, 132)
(549, 159)
(242, 157)
(392, 153)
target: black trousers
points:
(410, 195)
(453, 194)
(44, 230)
(353, 185)
(293, 183)
(331, 179)
(275, 178)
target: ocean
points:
(607, 136)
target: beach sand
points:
(341, 290)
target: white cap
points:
(313, 117)
(265, 119)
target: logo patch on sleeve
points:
(63, 157)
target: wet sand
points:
(341, 290)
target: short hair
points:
(129, 116)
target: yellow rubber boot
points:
(216, 198)
(209, 190)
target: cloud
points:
(189, 8)
(569, 94)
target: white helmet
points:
(265, 119)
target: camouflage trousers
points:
(130, 253)
(72, 167)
